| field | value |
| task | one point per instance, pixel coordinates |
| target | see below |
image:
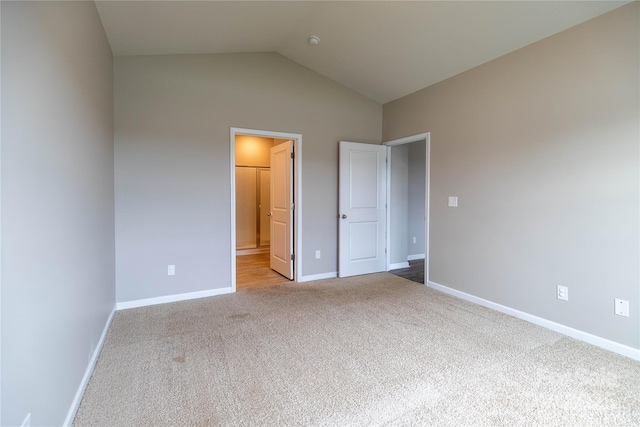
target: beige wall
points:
(541, 147)
(58, 269)
(172, 166)
(253, 151)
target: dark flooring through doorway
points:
(415, 271)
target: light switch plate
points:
(453, 201)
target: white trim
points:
(321, 276)
(1, 174)
(388, 212)
(173, 298)
(297, 194)
(604, 343)
(88, 372)
(415, 257)
(398, 265)
(427, 207)
(427, 188)
(407, 139)
(232, 194)
(260, 250)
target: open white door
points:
(282, 209)
(362, 208)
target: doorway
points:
(408, 208)
(252, 209)
(258, 167)
(360, 167)
(253, 175)
(406, 251)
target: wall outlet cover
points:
(563, 293)
(622, 307)
(171, 270)
(453, 201)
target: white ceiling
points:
(382, 49)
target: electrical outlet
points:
(622, 307)
(563, 293)
(318, 254)
(414, 240)
(453, 201)
(171, 270)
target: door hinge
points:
(293, 155)
(293, 206)
(293, 257)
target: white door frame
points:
(407, 140)
(297, 194)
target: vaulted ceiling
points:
(382, 49)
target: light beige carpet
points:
(371, 350)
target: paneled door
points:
(362, 209)
(282, 209)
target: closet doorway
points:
(263, 184)
(253, 231)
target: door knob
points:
(344, 216)
(268, 213)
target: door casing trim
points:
(297, 194)
(407, 140)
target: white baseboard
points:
(255, 251)
(398, 265)
(604, 343)
(415, 257)
(172, 298)
(87, 374)
(321, 276)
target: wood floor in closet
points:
(253, 271)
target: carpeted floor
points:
(370, 350)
